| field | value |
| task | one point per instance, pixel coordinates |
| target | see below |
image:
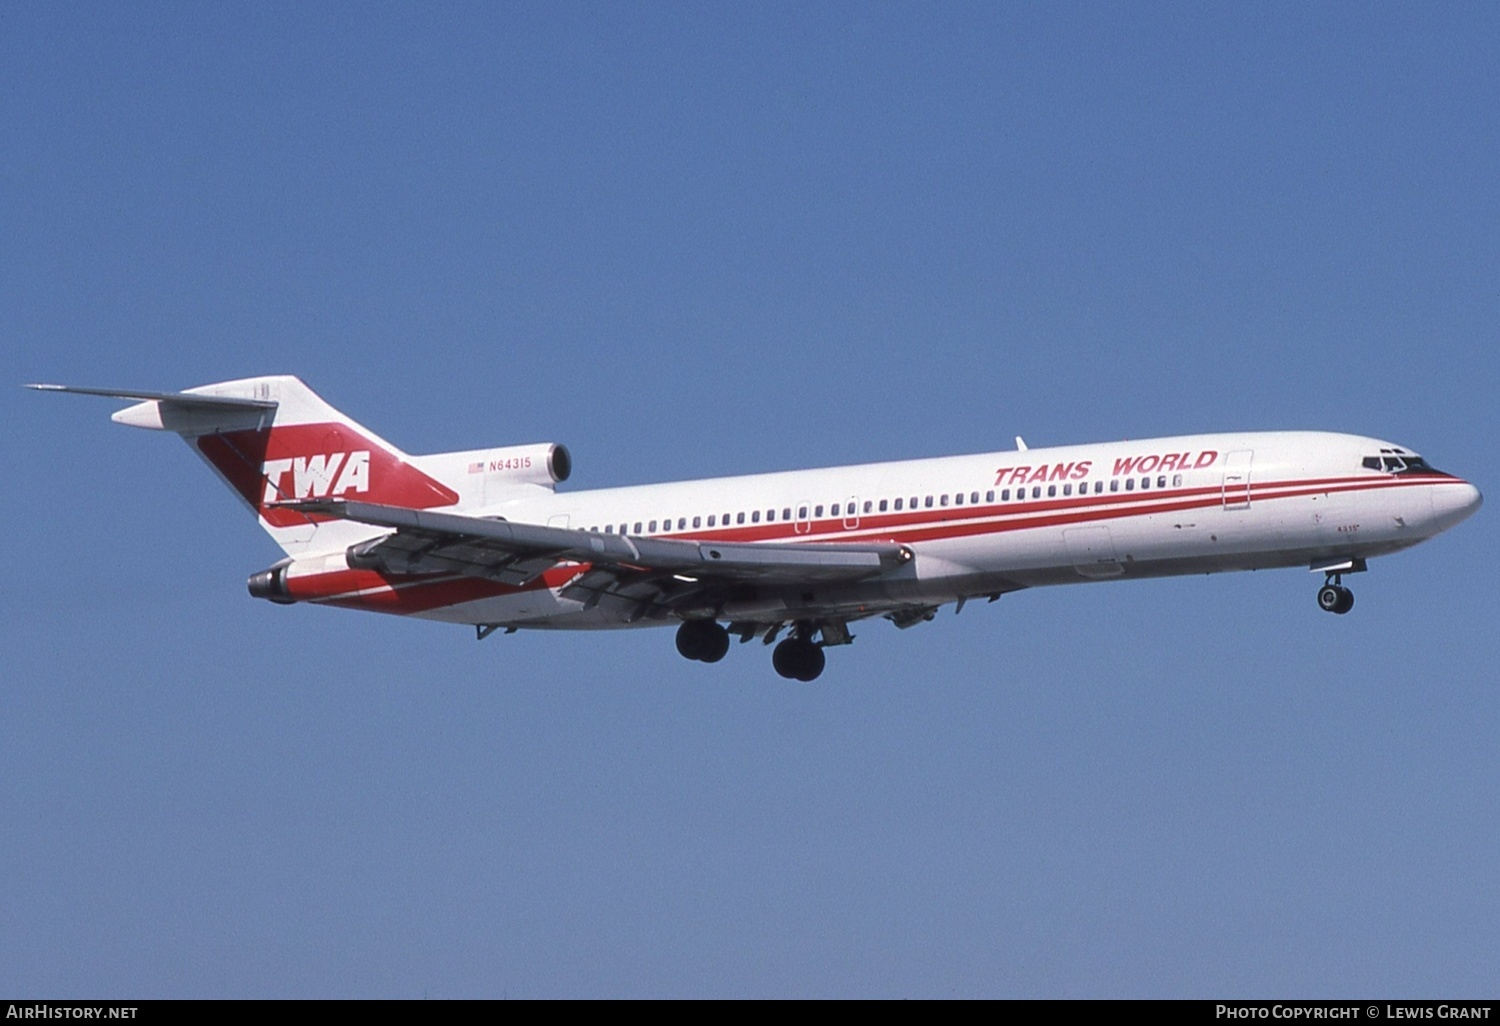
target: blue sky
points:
(690, 240)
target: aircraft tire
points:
(798, 659)
(813, 662)
(1329, 598)
(702, 640)
(784, 658)
(1346, 601)
(714, 644)
(687, 640)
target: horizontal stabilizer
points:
(187, 413)
(181, 398)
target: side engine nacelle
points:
(545, 463)
(485, 476)
(271, 585)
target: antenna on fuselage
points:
(1020, 443)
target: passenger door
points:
(1237, 479)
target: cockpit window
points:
(1391, 463)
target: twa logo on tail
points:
(317, 461)
(316, 477)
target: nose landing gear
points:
(1333, 597)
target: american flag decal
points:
(476, 468)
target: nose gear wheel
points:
(1333, 597)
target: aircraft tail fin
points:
(273, 439)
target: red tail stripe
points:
(243, 456)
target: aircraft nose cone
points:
(1455, 501)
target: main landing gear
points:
(1333, 597)
(703, 640)
(796, 658)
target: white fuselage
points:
(990, 523)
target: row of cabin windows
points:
(1083, 489)
(848, 509)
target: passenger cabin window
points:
(1051, 491)
(786, 514)
(1005, 495)
(942, 500)
(883, 505)
(637, 527)
(898, 504)
(697, 521)
(739, 518)
(1130, 484)
(1036, 493)
(1114, 485)
(711, 519)
(989, 496)
(928, 504)
(869, 505)
(755, 516)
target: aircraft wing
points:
(651, 569)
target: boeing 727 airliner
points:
(484, 538)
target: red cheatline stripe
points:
(1032, 512)
(371, 590)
